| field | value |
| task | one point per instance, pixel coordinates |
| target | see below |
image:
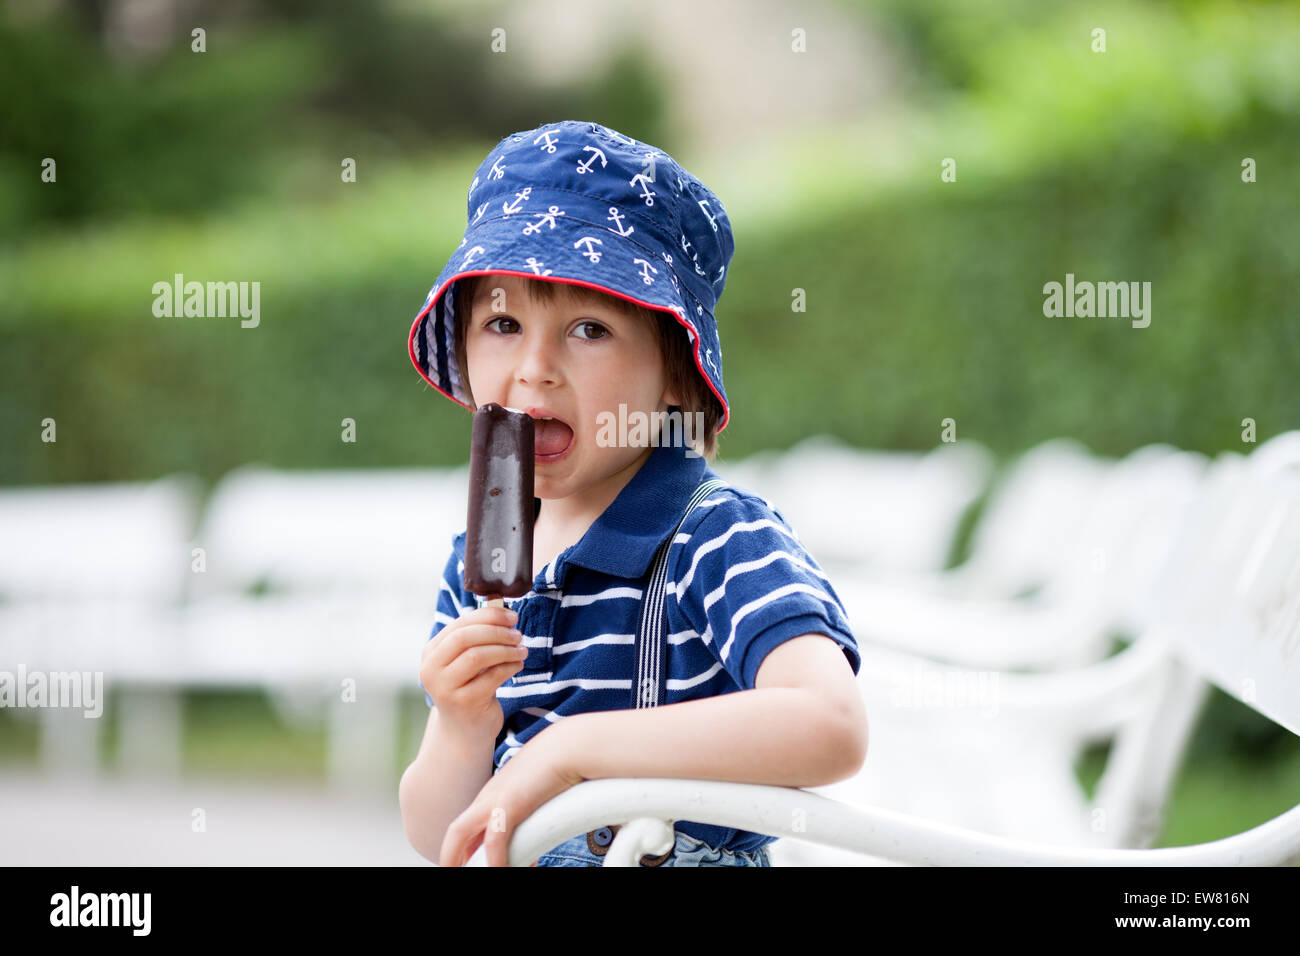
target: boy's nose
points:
(538, 366)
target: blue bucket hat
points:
(581, 203)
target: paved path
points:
(49, 821)
(67, 821)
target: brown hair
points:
(674, 348)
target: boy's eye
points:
(502, 318)
(594, 325)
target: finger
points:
(491, 615)
(481, 689)
(453, 842)
(472, 847)
(443, 658)
(497, 848)
(469, 665)
(465, 849)
(496, 617)
(470, 636)
(491, 679)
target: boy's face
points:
(572, 359)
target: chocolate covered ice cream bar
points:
(499, 525)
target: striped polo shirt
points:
(739, 583)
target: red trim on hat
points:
(410, 341)
(433, 301)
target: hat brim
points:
(598, 258)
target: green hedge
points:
(924, 298)
(922, 305)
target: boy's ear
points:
(669, 397)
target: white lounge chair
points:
(855, 507)
(1085, 535)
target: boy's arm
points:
(744, 581)
(448, 771)
(802, 725)
(444, 778)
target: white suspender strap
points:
(649, 689)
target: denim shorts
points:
(588, 849)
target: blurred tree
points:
(179, 132)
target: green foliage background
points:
(924, 298)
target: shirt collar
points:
(623, 540)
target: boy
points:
(583, 290)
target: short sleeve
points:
(452, 597)
(746, 584)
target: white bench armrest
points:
(869, 830)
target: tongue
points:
(550, 437)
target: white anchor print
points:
(704, 205)
(695, 261)
(474, 250)
(497, 170)
(644, 181)
(595, 154)
(620, 137)
(617, 217)
(549, 145)
(686, 246)
(645, 276)
(721, 272)
(473, 186)
(520, 197)
(532, 262)
(589, 252)
(479, 214)
(543, 218)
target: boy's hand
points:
(462, 667)
(543, 768)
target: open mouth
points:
(552, 438)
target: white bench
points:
(92, 578)
(114, 578)
(1229, 614)
(349, 563)
(1091, 563)
(855, 507)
